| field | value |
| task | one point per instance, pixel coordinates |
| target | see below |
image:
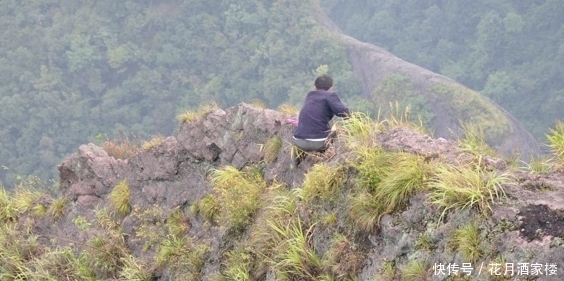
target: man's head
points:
(323, 82)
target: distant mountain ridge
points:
(374, 65)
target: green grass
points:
(555, 139)
(402, 117)
(415, 270)
(207, 207)
(466, 241)
(322, 181)
(134, 269)
(473, 140)
(239, 265)
(183, 256)
(466, 187)
(294, 258)
(359, 130)
(57, 208)
(387, 272)
(271, 148)
(344, 259)
(237, 194)
(105, 253)
(386, 181)
(119, 198)
(365, 211)
(8, 211)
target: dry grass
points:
(190, 116)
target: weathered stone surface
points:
(174, 175)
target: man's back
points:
(319, 108)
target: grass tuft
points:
(152, 143)
(119, 198)
(180, 254)
(555, 139)
(387, 180)
(57, 208)
(466, 187)
(321, 181)
(343, 259)
(294, 258)
(466, 241)
(473, 140)
(415, 270)
(120, 148)
(189, 116)
(105, 253)
(271, 148)
(237, 194)
(288, 109)
(359, 130)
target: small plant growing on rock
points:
(120, 148)
(189, 116)
(135, 269)
(105, 253)
(387, 272)
(57, 208)
(294, 258)
(556, 141)
(152, 143)
(466, 187)
(288, 109)
(271, 148)
(365, 211)
(359, 130)
(466, 241)
(7, 208)
(119, 198)
(237, 194)
(473, 140)
(323, 182)
(343, 259)
(182, 255)
(239, 264)
(415, 270)
(207, 207)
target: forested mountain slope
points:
(75, 72)
(510, 51)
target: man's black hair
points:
(324, 82)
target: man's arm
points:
(337, 105)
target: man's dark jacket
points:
(319, 108)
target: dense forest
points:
(75, 72)
(510, 51)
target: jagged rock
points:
(527, 226)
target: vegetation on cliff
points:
(250, 228)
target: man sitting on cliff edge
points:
(313, 132)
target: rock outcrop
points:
(525, 227)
